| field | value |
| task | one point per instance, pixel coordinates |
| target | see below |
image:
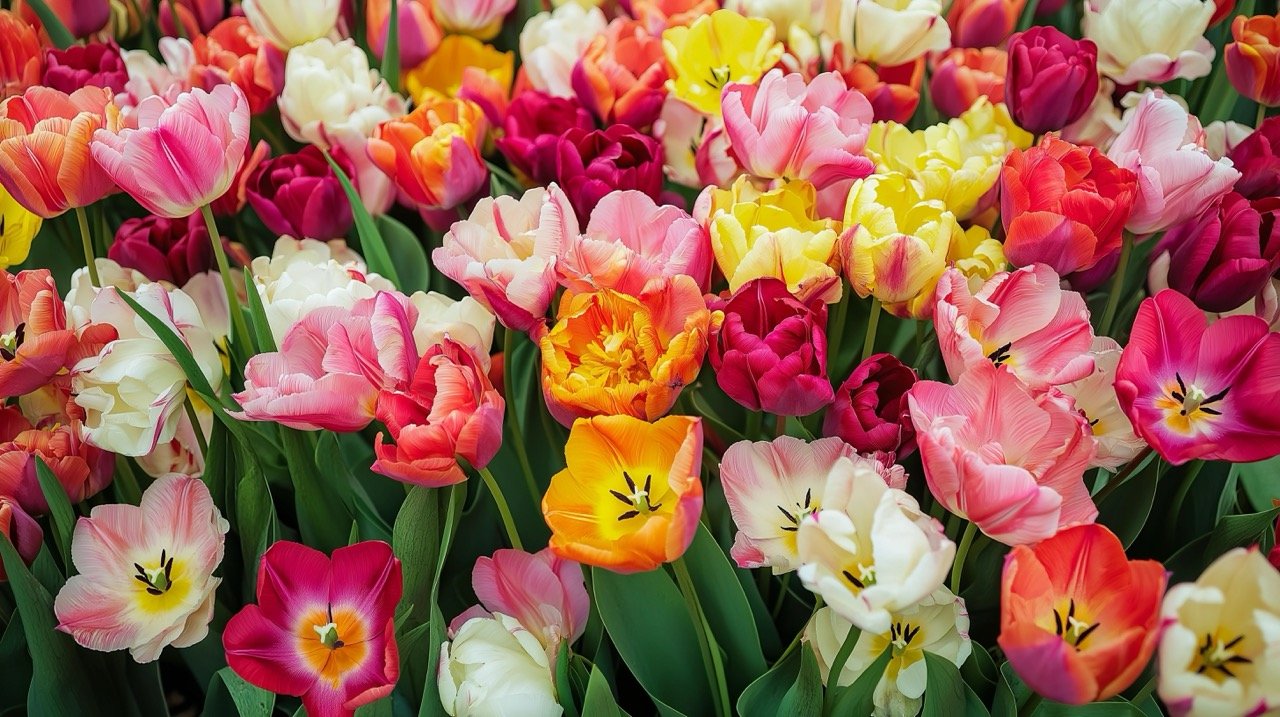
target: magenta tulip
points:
(870, 408)
(299, 195)
(1051, 79)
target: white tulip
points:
(329, 88)
(289, 23)
(782, 13)
(1096, 398)
(495, 667)
(552, 42)
(1150, 40)
(889, 32)
(465, 321)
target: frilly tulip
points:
(1199, 390)
(1222, 258)
(449, 411)
(1010, 461)
(481, 19)
(590, 164)
(21, 57)
(504, 254)
(82, 18)
(493, 665)
(611, 353)
(536, 120)
(183, 155)
(419, 35)
(552, 42)
(18, 228)
(715, 50)
(468, 69)
(145, 572)
(1078, 619)
(869, 411)
(81, 469)
(890, 32)
(632, 240)
(545, 592)
(1253, 58)
(983, 23)
(1052, 79)
(433, 153)
(37, 344)
(299, 195)
(1257, 158)
(770, 354)
(330, 92)
(894, 92)
(95, 64)
(234, 52)
(323, 628)
(1163, 145)
(1063, 205)
(629, 497)
(962, 75)
(45, 138)
(290, 23)
(21, 530)
(1140, 41)
(621, 75)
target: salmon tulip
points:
(1253, 59)
(20, 55)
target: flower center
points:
(328, 632)
(1000, 355)
(1186, 403)
(1071, 629)
(158, 579)
(1219, 656)
(860, 576)
(801, 511)
(901, 634)
(638, 501)
(10, 342)
(719, 77)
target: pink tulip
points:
(183, 155)
(1177, 179)
(1199, 390)
(1021, 319)
(450, 410)
(504, 254)
(482, 18)
(544, 592)
(145, 572)
(323, 629)
(1009, 460)
(785, 128)
(631, 240)
(331, 366)
(21, 530)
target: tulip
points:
(82, 18)
(81, 469)
(1220, 138)
(323, 628)
(1105, 611)
(1257, 158)
(504, 254)
(233, 52)
(983, 23)
(1224, 257)
(629, 497)
(21, 530)
(784, 14)
(1095, 397)
(183, 155)
(196, 16)
(465, 68)
(771, 487)
(1252, 58)
(773, 234)
(590, 164)
(21, 59)
(632, 240)
(535, 121)
(1164, 146)
(961, 76)
(1100, 123)
(182, 454)
(770, 353)
(1195, 390)
(1052, 79)
(938, 625)
(869, 411)
(290, 23)
(95, 64)
(621, 75)
(994, 453)
(1021, 319)
(36, 344)
(544, 592)
(145, 572)
(329, 91)
(695, 146)
(298, 195)
(44, 148)
(889, 32)
(449, 411)
(869, 551)
(894, 92)
(659, 336)
(1217, 644)
(787, 128)
(552, 42)
(1063, 206)
(18, 228)
(481, 19)
(163, 249)
(433, 153)
(465, 322)
(494, 665)
(418, 34)
(714, 50)
(1141, 41)
(658, 15)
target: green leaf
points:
(17, 666)
(973, 704)
(859, 698)
(371, 244)
(804, 698)
(247, 700)
(599, 701)
(58, 33)
(321, 504)
(763, 698)
(407, 253)
(1234, 531)
(1261, 482)
(344, 483)
(645, 616)
(377, 708)
(564, 691)
(727, 610)
(980, 672)
(797, 429)
(415, 539)
(62, 516)
(391, 48)
(258, 313)
(255, 519)
(1126, 509)
(944, 691)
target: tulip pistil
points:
(1070, 628)
(159, 579)
(638, 500)
(10, 342)
(865, 578)
(802, 511)
(901, 635)
(719, 77)
(1221, 656)
(328, 633)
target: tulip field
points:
(605, 358)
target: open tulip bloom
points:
(587, 357)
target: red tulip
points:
(535, 119)
(1257, 158)
(21, 530)
(1052, 79)
(82, 469)
(870, 408)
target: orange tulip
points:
(1253, 58)
(20, 55)
(234, 52)
(44, 148)
(1078, 620)
(629, 497)
(611, 353)
(466, 68)
(894, 92)
(433, 153)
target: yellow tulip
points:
(715, 50)
(461, 62)
(18, 227)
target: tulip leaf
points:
(415, 539)
(247, 700)
(391, 47)
(804, 698)
(944, 691)
(321, 504)
(58, 32)
(1126, 509)
(407, 253)
(258, 315)
(329, 452)
(980, 672)
(727, 609)
(564, 690)
(60, 511)
(1261, 482)
(1234, 531)
(645, 615)
(17, 666)
(371, 243)
(859, 697)
(255, 519)
(598, 700)
(763, 698)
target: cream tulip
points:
(494, 666)
(289, 23)
(552, 42)
(329, 89)
(890, 32)
(1150, 40)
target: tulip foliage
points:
(604, 357)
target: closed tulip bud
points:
(163, 249)
(433, 153)
(1052, 79)
(20, 55)
(1257, 157)
(21, 530)
(299, 195)
(98, 64)
(419, 35)
(961, 76)
(870, 408)
(1253, 58)
(983, 23)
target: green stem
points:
(835, 328)
(1032, 704)
(1262, 115)
(873, 321)
(513, 415)
(86, 242)
(508, 523)
(1028, 15)
(752, 430)
(1144, 692)
(962, 552)
(196, 429)
(706, 641)
(837, 667)
(1124, 475)
(1117, 286)
(233, 302)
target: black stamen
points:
(1227, 646)
(629, 515)
(1088, 631)
(856, 582)
(616, 494)
(790, 517)
(1217, 396)
(1181, 386)
(631, 485)
(1057, 623)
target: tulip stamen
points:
(159, 579)
(1071, 629)
(719, 77)
(803, 510)
(638, 501)
(901, 635)
(10, 342)
(1218, 655)
(1000, 355)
